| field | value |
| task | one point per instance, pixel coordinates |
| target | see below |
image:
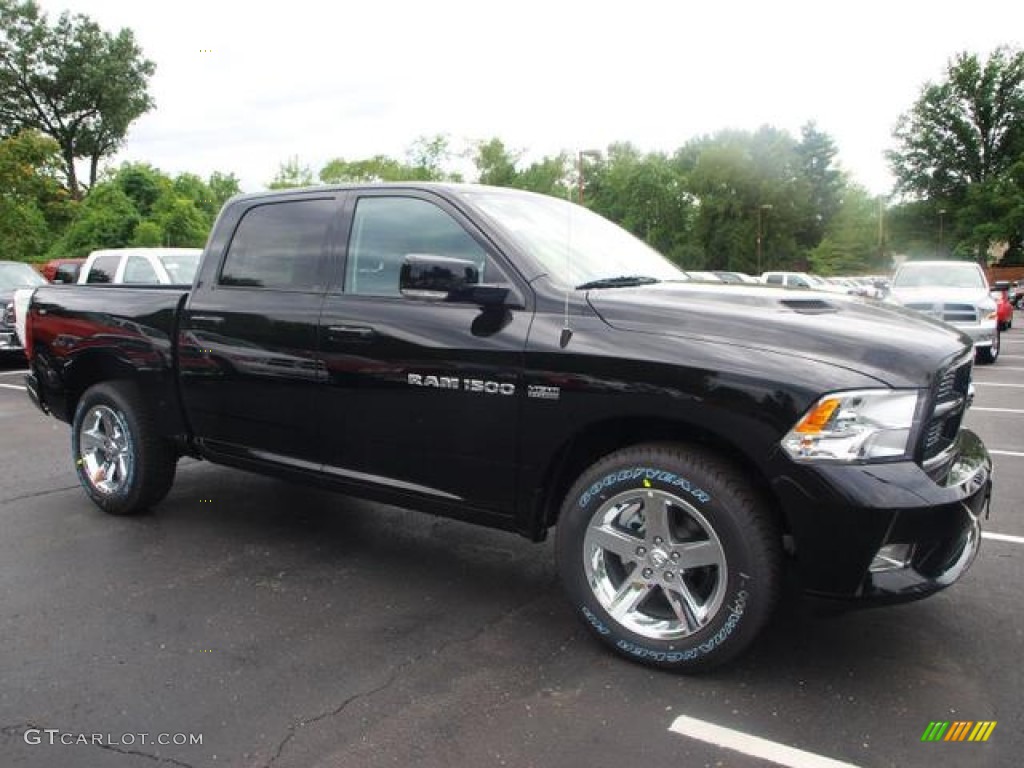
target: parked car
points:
(62, 270)
(800, 280)
(734, 277)
(141, 266)
(13, 275)
(955, 292)
(447, 347)
(1004, 309)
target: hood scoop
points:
(810, 306)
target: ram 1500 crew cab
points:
(517, 361)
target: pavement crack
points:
(393, 676)
(147, 755)
(37, 494)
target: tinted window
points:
(67, 273)
(387, 229)
(138, 270)
(103, 269)
(774, 279)
(280, 245)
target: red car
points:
(1004, 309)
(62, 270)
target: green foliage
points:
(647, 195)
(33, 204)
(72, 81)
(824, 183)
(850, 245)
(375, 169)
(148, 234)
(107, 219)
(142, 206)
(291, 173)
(959, 145)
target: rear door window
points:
(138, 270)
(282, 246)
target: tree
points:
(646, 195)
(824, 181)
(850, 243)
(33, 203)
(107, 218)
(72, 81)
(374, 169)
(291, 174)
(964, 132)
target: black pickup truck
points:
(517, 361)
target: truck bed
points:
(86, 333)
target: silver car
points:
(955, 292)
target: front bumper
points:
(848, 520)
(982, 334)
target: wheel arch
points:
(604, 437)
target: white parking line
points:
(13, 373)
(1002, 537)
(996, 410)
(995, 384)
(738, 741)
(1006, 453)
(1005, 368)
(20, 387)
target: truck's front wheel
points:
(122, 461)
(669, 556)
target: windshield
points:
(19, 276)
(181, 267)
(951, 275)
(574, 245)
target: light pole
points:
(942, 214)
(596, 153)
(760, 232)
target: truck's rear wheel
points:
(122, 461)
(668, 556)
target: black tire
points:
(710, 514)
(988, 355)
(122, 462)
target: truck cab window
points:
(387, 229)
(280, 246)
(138, 270)
(103, 269)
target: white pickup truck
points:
(955, 292)
(142, 266)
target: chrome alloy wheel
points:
(106, 450)
(655, 564)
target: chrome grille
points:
(948, 406)
(950, 313)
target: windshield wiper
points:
(618, 282)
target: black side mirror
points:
(443, 278)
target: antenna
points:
(566, 335)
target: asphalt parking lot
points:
(290, 627)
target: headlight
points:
(861, 425)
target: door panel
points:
(421, 395)
(249, 338)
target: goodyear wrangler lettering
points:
(636, 473)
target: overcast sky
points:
(241, 87)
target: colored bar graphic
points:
(958, 730)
